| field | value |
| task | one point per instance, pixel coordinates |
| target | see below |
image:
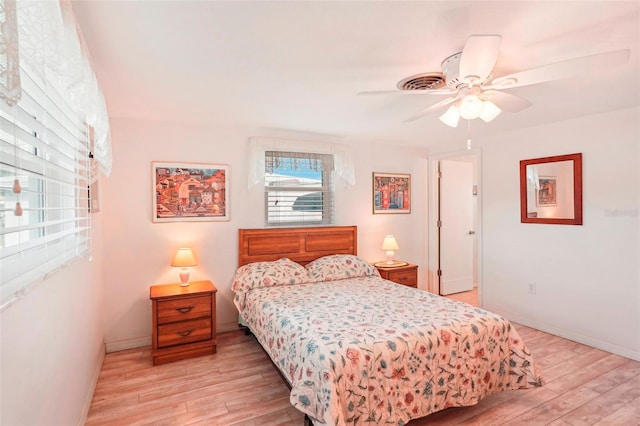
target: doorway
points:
(454, 226)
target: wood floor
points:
(470, 297)
(239, 386)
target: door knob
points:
(471, 232)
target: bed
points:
(355, 348)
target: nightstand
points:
(405, 275)
(184, 321)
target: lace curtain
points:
(43, 38)
(342, 160)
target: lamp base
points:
(393, 264)
(184, 277)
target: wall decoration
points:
(551, 190)
(547, 192)
(391, 193)
(190, 192)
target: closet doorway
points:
(454, 226)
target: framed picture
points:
(190, 192)
(391, 193)
(547, 193)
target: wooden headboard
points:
(301, 245)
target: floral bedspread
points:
(365, 350)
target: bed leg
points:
(307, 421)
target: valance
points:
(342, 160)
(43, 39)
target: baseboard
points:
(128, 344)
(567, 334)
(92, 388)
(228, 326)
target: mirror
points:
(551, 190)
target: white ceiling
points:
(298, 66)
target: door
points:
(456, 234)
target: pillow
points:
(265, 274)
(339, 267)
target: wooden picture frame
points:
(391, 193)
(190, 192)
(564, 206)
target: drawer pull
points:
(185, 333)
(402, 278)
(185, 309)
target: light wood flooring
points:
(470, 297)
(239, 386)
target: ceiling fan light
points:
(489, 111)
(471, 107)
(451, 117)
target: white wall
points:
(587, 277)
(138, 252)
(52, 345)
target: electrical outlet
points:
(532, 288)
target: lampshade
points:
(451, 117)
(184, 257)
(390, 243)
(489, 111)
(471, 107)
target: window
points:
(51, 112)
(44, 151)
(298, 188)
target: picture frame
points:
(547, 193)
(190, 192)
(391, 193)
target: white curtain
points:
(9, 67)
(43, 38)
(342, 159)
(532, 177)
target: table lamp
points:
(184, 259)
(390, 244)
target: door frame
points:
(432, 225)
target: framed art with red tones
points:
(391, 193)
(190, 192)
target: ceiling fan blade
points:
(443, 103)
(409, 92)
(479, 57)
(560, 70)
(507, 101)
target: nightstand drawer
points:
(405, 274)
(184, 332)
(183, 309)
(408, 278)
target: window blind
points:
(298, 189)
(44, 149)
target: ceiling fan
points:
(473, 90)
